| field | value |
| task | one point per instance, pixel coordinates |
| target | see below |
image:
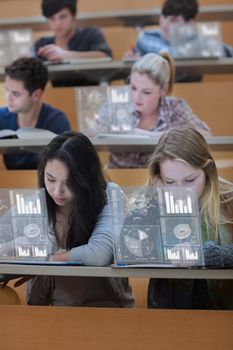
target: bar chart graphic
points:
(23, 251)
(177, 205)
(26, 205)
(119, 96)
(190, 255)
(40, 252)
(173, 254)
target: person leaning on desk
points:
(151, 110)
(173, 12)
(80, 226)
(182, 158)
(68, 41)
(25, 81)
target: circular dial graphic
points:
(138, 242)
(31, 230)
(182, 231)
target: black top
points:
(86, 39)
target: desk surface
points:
(113, 144)
(147, 144)
(89, 271)
(95, 72)
(131, 17)
(116, 70)
(22, 146)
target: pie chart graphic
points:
(31, 230)
(138, 242)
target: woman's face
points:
(179, 173)
(145, 94)
(56, 178)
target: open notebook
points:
(156, 228)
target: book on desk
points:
(27, 134)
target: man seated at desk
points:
(25, 82)
(68, 41)
(179, 17)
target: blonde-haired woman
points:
(151, 110)
(182, 158)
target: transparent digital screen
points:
(196, 40)
(156, 226)
(104, 109)
(15, 44)
(23, 224)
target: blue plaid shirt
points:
(152, 41)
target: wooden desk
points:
(133, 17)
(22, 146)
(59, 328)
(92, 271)
(112, 144)
(147, 144)
(116, 70)
(79, 74)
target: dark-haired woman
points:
(80, 221)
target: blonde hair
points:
(190, 146)
(158, 67)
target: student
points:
(182, 158)
(69, 42)
(80, 222)
(152, 111)
(25, 81)
(174, 12)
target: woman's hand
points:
(63, 256)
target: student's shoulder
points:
(46, 40)
(114, 191)
(52, 116)
(49, 111)
(173, 102)
(6, 116)
(150, 33)
(113, 186)
(4, 112)
(90, 29)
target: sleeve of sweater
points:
(99, 249)
(218, 255)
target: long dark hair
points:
(86, 180)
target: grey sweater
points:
(85, 291)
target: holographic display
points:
(157, 226)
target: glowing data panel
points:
(177, 206)
(156, 225)
(119, 96)
(24, 229)
(25, 206)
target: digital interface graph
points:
(27, 206)
(177, 206)
(159, 226)
(26, 203)
(24, 225)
